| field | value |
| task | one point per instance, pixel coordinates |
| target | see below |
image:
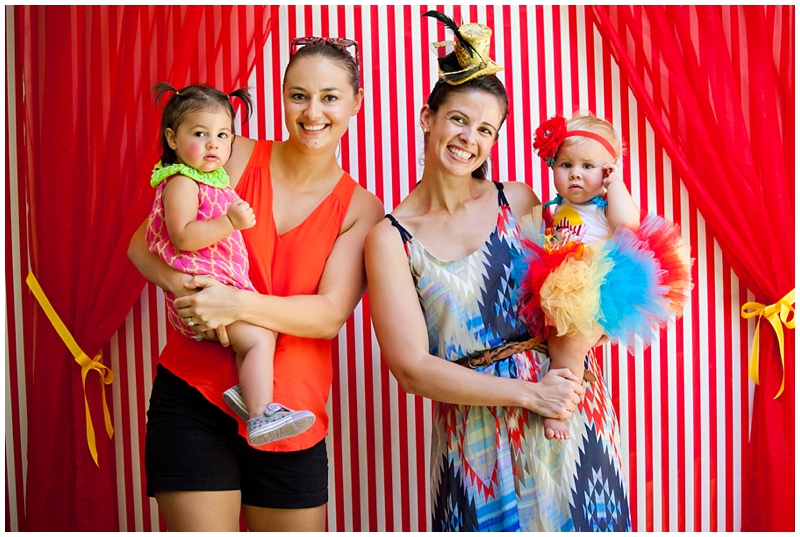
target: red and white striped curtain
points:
(684, 403)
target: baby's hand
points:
(241, 215)
(611, 174)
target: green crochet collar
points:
(218, 178)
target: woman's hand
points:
(185, 288)
(154, 269)
(220, 335)
(212, 306)
(557, 394)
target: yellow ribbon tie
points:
(87, 364)
(777, 314)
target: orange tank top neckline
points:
(262, 153)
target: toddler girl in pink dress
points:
(195, 227)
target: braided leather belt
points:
(489, 356)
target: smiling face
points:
(203, 140)
(318, 102)
(462, 131)
(578, 170)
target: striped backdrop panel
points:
(683, 403)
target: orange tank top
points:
(288, 264)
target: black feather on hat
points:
(470, 58)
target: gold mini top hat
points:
(471, 58)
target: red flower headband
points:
(552, 133)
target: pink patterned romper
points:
(226, 260)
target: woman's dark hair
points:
(337, 55)
(195, 98)
(489, 84)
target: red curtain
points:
(89, 134)
(717, 85)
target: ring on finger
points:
(190, 322)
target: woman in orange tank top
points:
(306, 261)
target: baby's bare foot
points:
(555, 429)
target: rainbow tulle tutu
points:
(630, 284)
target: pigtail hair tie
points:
(159, 89)
(247, 101)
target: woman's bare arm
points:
(153, 269)
(521, 198)
(402, 334)
(314, 316)
(241, 151)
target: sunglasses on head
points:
(337, 42)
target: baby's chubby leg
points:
(567, 351)
(255, 349)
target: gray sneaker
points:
(233, 396)
(277, 423)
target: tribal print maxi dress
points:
(491, 467)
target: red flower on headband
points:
(548, 137)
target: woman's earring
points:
(338, 150)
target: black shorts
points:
(192, 445)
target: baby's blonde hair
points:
(586, 121)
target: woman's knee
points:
(200, 510)
(265, 519)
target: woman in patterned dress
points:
(439, 272)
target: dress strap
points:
(404, 234)
(501, 198)
(344, 189)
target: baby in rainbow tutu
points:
(599, 269)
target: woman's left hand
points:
(214, 306)
(220, 335)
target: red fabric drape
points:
(717, 85)
(90, 141)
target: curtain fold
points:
(717, 85)
(90, 141)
